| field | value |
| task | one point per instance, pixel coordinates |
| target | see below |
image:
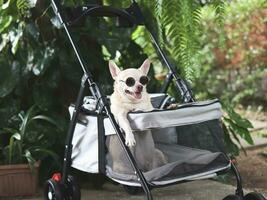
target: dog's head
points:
(130, 83)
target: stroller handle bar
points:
(127, 17)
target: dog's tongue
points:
(137, 95)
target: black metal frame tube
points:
(57, 10)
(167, 82)
(68, 143)
(129, 155)
(239, 188)
(185, 91)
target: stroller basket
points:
(173, 132)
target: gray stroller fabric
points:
(190, 137)
(182, 162)
(185, 114)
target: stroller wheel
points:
(132, 190)
(73, 189)
(254, 196)
(233, 197)
(52, 190)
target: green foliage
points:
(178, 27)
(235, 127)
(38, 65)
(8, 72)
(26, 142)
(179, 32)
(232, 67)
(219, 6)
(24, 6)
(238, 67)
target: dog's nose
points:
(139, 88)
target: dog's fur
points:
(126, 99)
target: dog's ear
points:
(145, 66)
(114, 69)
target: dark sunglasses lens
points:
(130, 81)
(143, 80)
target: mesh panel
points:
(189, 150)
(206, 135)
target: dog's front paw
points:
(129, 140)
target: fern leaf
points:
(25, 5)
(219, 6)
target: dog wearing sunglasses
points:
(130, 95)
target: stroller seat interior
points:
(173, 132)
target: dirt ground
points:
(253, 166)
(253, 169)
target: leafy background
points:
(217, 46)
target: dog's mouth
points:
(136, 95)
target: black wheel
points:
(254, 196)
(233, 197)
(132, 190)
(52, 190)
(73, 189)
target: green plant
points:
(177, 24)
(37, 63)
(235, 127)
(238, 67)
(232, 55)
(26, 142)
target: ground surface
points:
(253, 169)
(197, 190)
(253, 164)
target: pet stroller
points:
(178, 133)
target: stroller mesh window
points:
(206, 135)
(189, 149)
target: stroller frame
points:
(129, 16)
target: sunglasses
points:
(130, 81)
